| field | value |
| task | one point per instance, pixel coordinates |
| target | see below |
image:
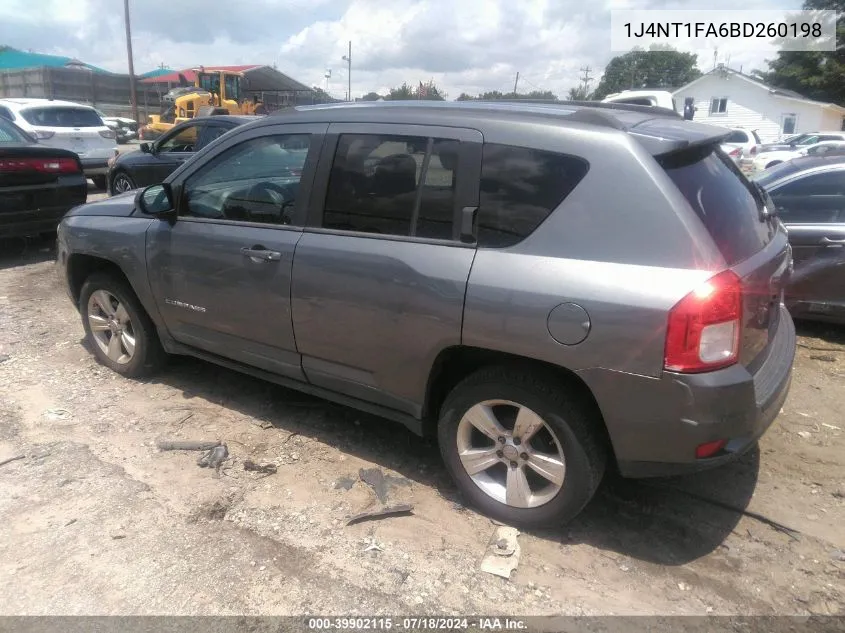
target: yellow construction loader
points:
(213, 92)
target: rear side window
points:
(10, 133)
(62, 117)
(737, 136)
(520, 187)
(723, 199)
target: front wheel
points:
(122, 183)
(522, 447)
(99, 181)
(117, 328)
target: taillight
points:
(704, 327)
(43, 165)
(44, 134)
(736, 153)
(108, 134)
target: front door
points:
(221, 273)
(380, 274)
(169, 152)
(813, 209)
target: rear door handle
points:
(827, 240)
(257, 252)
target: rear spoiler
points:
(663, 136)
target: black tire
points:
(573, 420)
(773, 163)
(148, 355)
(122, 175)
(99, 181)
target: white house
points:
(729, 98)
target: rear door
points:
(813, 208)
(380, 273)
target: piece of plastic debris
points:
(503, 553)
(838, 555)
(11, 459)
(373, 546)
(684, 586)
(57, 414)
(178, 445)
(804, 434)
(267, 469)
(214, 458)
(379, 513)
(827, 358)
(374, 477)
(830, 426)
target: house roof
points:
(14, 59)
(158, 72)
(777, 92)
(260, 78)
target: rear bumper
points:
(24, 223)
(95, 166)
(39, 209)
(655, 424)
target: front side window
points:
(520, 187)
(255, 181)
(232, 84)
(393, 185)
(182, 141)
(812, 199)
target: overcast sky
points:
(463, 45)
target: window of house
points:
(520, 187)
(393, 185)
(718, 105)
(255, 181)
(788, 124)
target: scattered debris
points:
(378, 513)
(372, 545)
(118, 535)
(838, 555)
(263, 424)
(214, 458)
(831, 426)
(374, 477)
(826, 358)
(4, 358)
(624, 568)
(502, 553)
(185, 419)
(344, 483)
(804, 434)
(57, 414)
(11, 459)
(178, 445)
(684, 586)
(71, 522)
(267, 469)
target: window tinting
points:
(520, 187)
(10, 133)
(727, 204)
(183, 141)
(816, 198)
(738, 136)
(5, 113)
(256, 181)
(375, 185)
(62, 117)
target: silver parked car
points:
(550, 290)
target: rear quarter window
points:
(62, 117)
(520, 187)
(737, 136)
(723, 199)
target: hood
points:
(119, 206)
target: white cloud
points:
(463, 45)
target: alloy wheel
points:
(111, 327)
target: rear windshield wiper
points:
(769, 209)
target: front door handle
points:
(828, 241)
(261, 253)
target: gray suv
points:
(550, 290)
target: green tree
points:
(465, 97)
(426, 92)
(371, 96)
(321, 96)
(545, 95)
(815, 74)
(579, 94)
(661, 67)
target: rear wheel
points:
(117, 328)
(122, 183)
(99, 181)
(522, 447)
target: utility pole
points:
(348, 59)
(515, 83)
(132, 94)
(585, 80)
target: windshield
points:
(11, 133)
(59, 116)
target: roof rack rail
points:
(599, 104)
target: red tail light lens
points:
(704, 327)
(703, 451)
(43, 165)
(735, 153)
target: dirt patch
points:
(98, 520)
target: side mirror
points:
(156, 200)
(147, 148)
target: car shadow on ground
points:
(23, 251)
(829, 332)
(669, 521)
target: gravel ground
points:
(97, 520)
